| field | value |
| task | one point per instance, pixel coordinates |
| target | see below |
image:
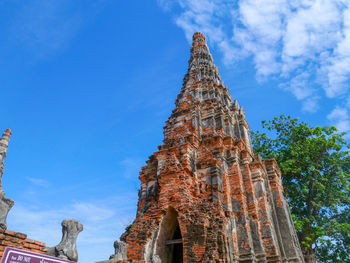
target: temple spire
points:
(201, 64)
(204, 197)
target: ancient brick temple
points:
(205, 196)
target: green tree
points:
(315, 165)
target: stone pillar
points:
(268, 233)
(286, 233)
(67, 249)
(252, 208)
(4, 142)
(5, 203)
(240, 208)
(120, 248)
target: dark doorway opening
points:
(169, 242)
(177, 250)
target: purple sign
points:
(15, 255)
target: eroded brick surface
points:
(19, 240)
(205, 179)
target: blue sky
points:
(86, 87)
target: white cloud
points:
(338, 113)
(166, 4)
(284, 38)
(262, 25)
(340, 118)
(200, 16)
(312, 28)
(299, 86)
(311, 104)
(339, 63)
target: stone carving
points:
(120, 251)
(66, 249)
(5, 206)
(5, 203)
(4, 141)
(156, 259)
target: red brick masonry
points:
(205, 196)
(19, 240)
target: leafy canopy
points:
(315, 165)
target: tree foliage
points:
(315, 165)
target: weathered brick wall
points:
(205, 196)
(19, 240)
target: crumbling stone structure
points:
(67, 249)
(5, 203)
(205, 196)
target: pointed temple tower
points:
(205, 196)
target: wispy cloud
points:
(131, 167)
(104, 220)
(300, 88)
(166, 4)
(38, 181)
(341, 119)
(92, 212)
(42, 25)
(45, 27)
(305, 43)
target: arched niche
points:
(169, 242)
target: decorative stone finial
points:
(201, 65)
(7, 132)
(4, 141)
(67, 249)
(120, 251)
(198, 40)
(198, 36)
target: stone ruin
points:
(5, 203)
(66, 249)
(205, 196)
